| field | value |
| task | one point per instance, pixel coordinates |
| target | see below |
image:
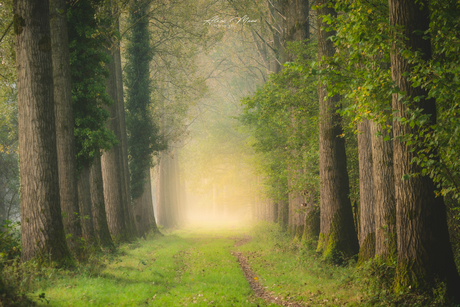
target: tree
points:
(424, 252)
(86, 211)
(366, 192)
(143, 132)
(337, 236)
(42, 233)
(101, 227)
(65, 139)
(111, 168)
(384, 193)
(89, 97)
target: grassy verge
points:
(293, 272)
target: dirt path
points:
(253, 280)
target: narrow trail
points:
(253, 280)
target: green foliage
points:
(283, 117)
(89, 74)
(10, 241)
(143, 133)
(9, 158)
(437, 145)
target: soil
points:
(253, 280)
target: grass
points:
(180, 269)
(291, 271)
(195, 267)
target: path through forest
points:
(194, 267)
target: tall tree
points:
(67, 163)
(89, 95)
(143, 133)
(111, 168)
(424, 252)
(337, 236)
(123, 150)
(42, 233)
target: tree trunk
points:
(163, 204)
(111, 168)
(101, 228)
(149, 204)
(312, 225)
(42, 231)
(384, 194)
(303, 20)
(86, 213)
(425, 255)
(283, 213)
(337, 237)
(65, 140)
(366, 193)
(123, 151)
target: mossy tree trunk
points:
(312, 225)
(42, 231)
(337, 237)
(425, 255)
(366, 193)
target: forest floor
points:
(200, 266)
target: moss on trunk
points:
(298, 233)
(367, 249)
(338, 246)
(312, 227)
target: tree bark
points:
(65, 141)
(337, 237)
(303, 20)
(283, 213)
(384, 194)
(101, 228)
(123, 151)
(111, 168)
(425, 255)
(86, 213)
(143, 210)
(366, 193)
(149, 204)
(42, 232)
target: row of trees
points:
(356, 141)
(79, 186)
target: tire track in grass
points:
(252, 278)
